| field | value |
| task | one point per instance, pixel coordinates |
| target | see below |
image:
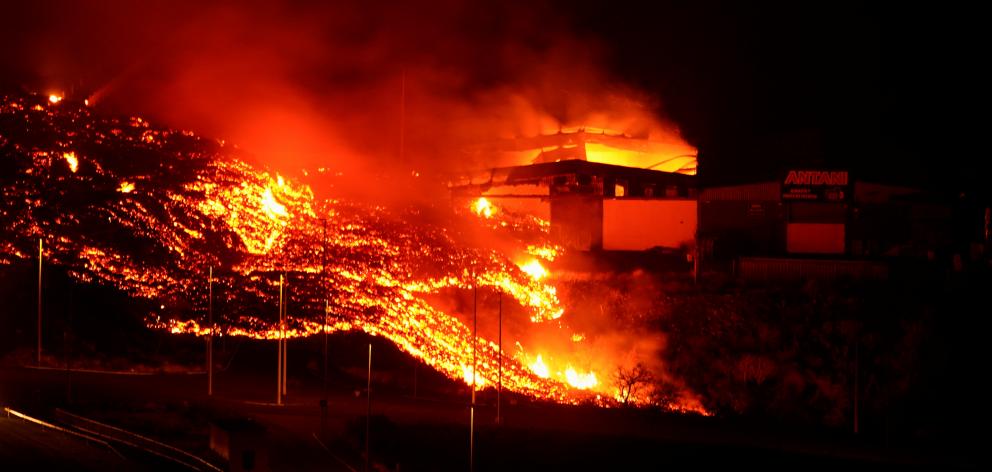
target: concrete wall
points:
(815, 238)
(635, 224)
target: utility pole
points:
(323, 286)
(279, 350)
(41, 250)
(66, 334)
(475, 366)
(285, 341)
(368, 410)
(857, 359)
(210, 334)
(499, 391)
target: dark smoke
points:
(311, 85)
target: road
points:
(431, 434)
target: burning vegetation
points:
(149, 210)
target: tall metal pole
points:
(279, 349)
(66, 334)
(41, 250)
(368, 410)
(285, 341)
(857, 359)
(323, 285)
(210, 334)
(499, 391)
(475, 366)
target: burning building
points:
(599, 191)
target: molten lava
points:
(483, 208)
(70, 158)
(534, 269)
(153, 226)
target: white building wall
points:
(640, 224)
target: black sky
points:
(893, 92)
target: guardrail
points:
(135, 440)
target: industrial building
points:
(820, 223)
(806, 223)
(819, 213)
(594, 206)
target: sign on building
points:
(816, 185)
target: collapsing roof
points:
(595, 145)
(536, 173)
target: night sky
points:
(891, 93)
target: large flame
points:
(666, 152)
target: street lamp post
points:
(210, 334)
(368, 410)
(41, 250)
(475, 366)
(279, 350)
(285, 341)
(323, 286)
(499, 390)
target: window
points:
(620, 188)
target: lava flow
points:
(149, 210)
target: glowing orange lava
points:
(70, 158)
(534, 269)
(484, 208)
(202, 206)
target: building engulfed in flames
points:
(599, 190)
(149, 210)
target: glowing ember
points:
(534, 269)
(54, 98)
(126, 187)
(70, 158)
(484, 208)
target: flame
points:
(70, 158)
(126, 187)
(534, 269)
(274, 209)
(54, 98)
(468, 377)
(547, 252)
(580, 381)
(540, 368)
(484, 208)
(684, 163)
(663, 150)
